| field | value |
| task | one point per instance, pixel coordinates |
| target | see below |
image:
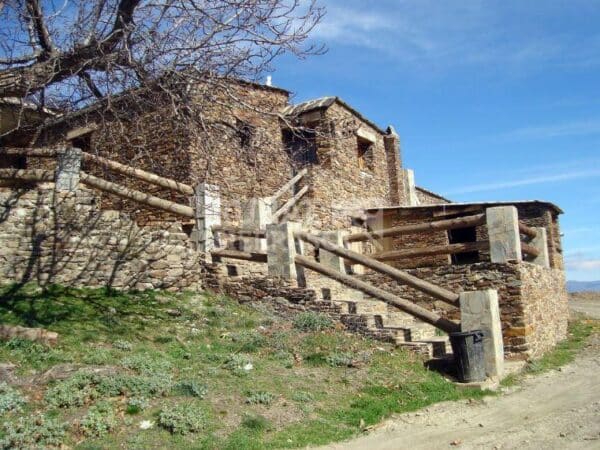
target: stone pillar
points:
(329, 259)
(410, 190)
(503, 232)
(282, 249)
(393, 156)
(357, 269)
(256, 215)
(540, 243)
(479, 310)
(68, 166)
(207, 208)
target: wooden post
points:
(207, 213)
(540, 243)
(68, 167)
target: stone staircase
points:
(377, 320)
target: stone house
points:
(253, 140)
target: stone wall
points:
(533, 299)
(51, 237)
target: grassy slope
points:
(315, 386)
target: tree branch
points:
(43, 35)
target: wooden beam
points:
(527, 231)
(288, 185)
(432, 251)
(140, 197)
(237, 254)
(27, 174)
(529, 250)
(425, 315)
(396, 274)
(140, 174)
(426, 227)
(246, 232)
(287, 206)
(33, 152)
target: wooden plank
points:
(421, 313)
(246, 232)
(283, 189)
(287, 206)
(237, 254)
(529, 250)
(527, 231)
(432, 251)
(140, 174)
(426, 227)
(27, 174)
(396, 274)
(140, 197)
(32, 152)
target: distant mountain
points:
(581, 286)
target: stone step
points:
(421, 348)
(362, 306)
(440, 346)
(422, 331)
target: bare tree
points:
(69, 53)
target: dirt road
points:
(560, 409)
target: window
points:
(365, 154)
(245, 133)
(460, 236)
(301, 146)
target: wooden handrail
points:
(140, 174)
(283, 189)
(246, 232)
(33, 152)
(138, 196)
(529, 250)
(527, 231)
(396, 274)
(425, 315)
(27, 174)
(438, 225)
(287, 206)
(434, 250)
(237, 254)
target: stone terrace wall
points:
(50, 237)
(533, 299)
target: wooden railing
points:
(529, 252)
(281, 211)
(239, 254)
(396, 274)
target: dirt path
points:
(560, 409)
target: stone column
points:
(410, 190)
(329, 259)
(68, 166)
(256, 215)
(393, 156)
(540, 243)
(479, 310)
(207, 208)
(503, 231)
(282, 249)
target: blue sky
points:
(493, 100)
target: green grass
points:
(578, 333)
(199, 371)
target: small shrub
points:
(122, 345)
(238, 364)
(10, 399)
(74, 391)
(302, 397)
(190, 388)
(136, 405)
(285, 357)
(312, 321)
(256, 422)
(250, 341)
(183, 418)
(33, 432)
(260, 398)
(147, 365)
(339, 359)
(99, 420)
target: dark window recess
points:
(13, 162)
(245, 133)
(301, 146)
(460, 236)
(83, 142)
(365, 154)
(232, 271)
(326, 292)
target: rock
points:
(32, 334)
(64, 371)
(7, 372)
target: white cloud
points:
(574, 128)
(526, 181)
(583, 264)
